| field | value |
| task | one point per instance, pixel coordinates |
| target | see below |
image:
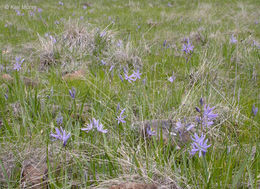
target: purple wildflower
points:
(39, 10)
(52, 39)
(111, 68)
(199, 145)
(188, 126)
(256, 44)
(61, 135)
(118, 107)
(56, 22)
(197, 109)
(72, 93)
(208, 116)
(172, 78)
(100, 128)
(164, 43)
(31, 13)
(133, 77)
(188, 47)
(89, 127)
(59, 119)
(137, 74)
(84, 7)
(102, 34)
(61, 3)
(95, 124)
(201, 101)
(208, 112)
(103, 62)
(233, 40)
(149, 131)
(119, 43)
(169, 5)
(254, 110)
(144, 81)
(18, 63)
(130, 78)
(1, 68)
(19, 13)
(120, 76)
(81, 17)
(120, 118)
(6, 96)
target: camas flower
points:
(188, 47)
(72, 93)
(172, 78)
(19, 13)
(120, 118)
(61, 135)
(111, 68)
(164, 43)
(59, 119)
(233, 40)
(31, 13)
(149, 131)
(39, 10)
(137, 74)
(133, 77)
(187, 126)
(119, 43)
(52, 39)
(103, 62)
(95, 124)
(121, 78)
(130, 78)
(254, 110)
(208, 112)
(18, 63)
(102, 34)
(6, 96)
(208, 116)
(199, 145)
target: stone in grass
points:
(133, 185)
(27, 81)
(35, 176)
(30, 82)
(8, 163)
(35, 168)
(166, 129)
(6, 77)
(76, 75)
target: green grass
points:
(225, 75)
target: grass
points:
(226, 76)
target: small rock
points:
(132, 185)
(30, 82)
(6, 77)
(27, 81)
(79, 74)
(34, 176)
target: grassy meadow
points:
(114, 93)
